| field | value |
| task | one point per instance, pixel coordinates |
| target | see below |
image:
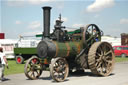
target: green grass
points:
(19, 68)
(14, 68)
(119, 59)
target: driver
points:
(96, 35)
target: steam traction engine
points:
(64, 51)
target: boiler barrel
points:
(58, 49)
(67, 49)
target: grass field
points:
(19, 68)
(119, 59)
(14, 68)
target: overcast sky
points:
(25, 17)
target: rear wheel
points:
(19, 60)
(101, 58)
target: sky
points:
(25, 17)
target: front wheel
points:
(33, 68)
(59, 69)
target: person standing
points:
(3, 62)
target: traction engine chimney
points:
(46, 18)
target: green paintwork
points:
(25, 51)
(62, 48)
(74, 32)
(39, 35)
(73, 49)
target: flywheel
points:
(91, 34)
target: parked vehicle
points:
(121, 51)
(25, 48)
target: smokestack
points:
(46, 13)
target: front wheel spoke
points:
(56, 64)
(37, 72)
(54, 72)
(38, 66)
(28, 70)
(56, 75)
(33, 74)
(30, 64)
(55, 68)
(59, 75)
(64, 66)
(63, 73)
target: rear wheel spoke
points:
(98, 65)
(109, 52)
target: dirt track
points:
(118, 77)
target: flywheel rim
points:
(87, 31)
